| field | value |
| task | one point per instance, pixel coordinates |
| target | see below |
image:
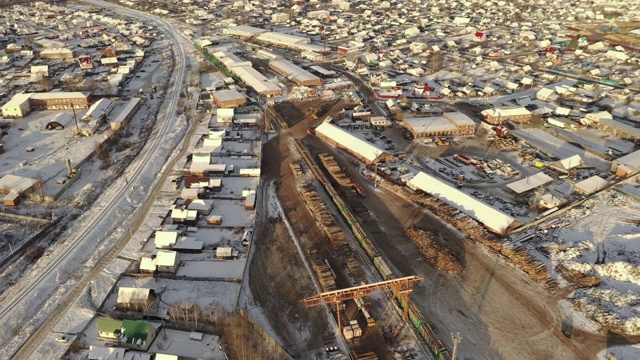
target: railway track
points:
(113, 200)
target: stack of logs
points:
(476, 232)
(334, 169)
(332, 231)
(440, 257)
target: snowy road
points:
(62, 269)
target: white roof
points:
(102, 106)
(17, 100)
(507, 111)
(200, 205)
(58, 95)
(490, 217)
(127, 295)
(350, 141)
(227, 95)
(458, 118)
(281, 39)
(570, 162)
(166, 258)
(430, 124)
(126, 110)
(224, 251)
(243, 30)
(165, 238)
(530, 182)
(254, 79)
(294, 71)
(147, 263)
(16, 184)
(591, 185)
(631, 160)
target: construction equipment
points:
(399, 287)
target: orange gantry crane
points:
(398, 287)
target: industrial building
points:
(343, 139)
(22, 104)
(497, 116)
(280, 39)
(124, 116)
(296, 74)
(247, 74)
(243, 31)
(228, 98)
(56, 53)
(492, 219)
(453, 123)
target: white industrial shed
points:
(492, 219)
(345, 140)
(282, 39)
(530, 183)
(297, 74)
(243, 31)
(258, 82)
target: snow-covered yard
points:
(601, 238)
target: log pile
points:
(475, 231)
(578, 278)
(323, 272)
(440, 257)
(334, 169)
(333, 231)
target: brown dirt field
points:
(277, 278)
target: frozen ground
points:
(602, 227)
(207, 294)
(51, 148)
(225, 269)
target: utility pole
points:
(456, 341)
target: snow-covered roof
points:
(347, 140)
(290, 69)
(493, 219)
(16, 184)
(127, 295)
(530, 183)
(166, 258)
(254, 79)
(631, 160)
(591, 185)
(435, 124)
(99, 108)
(506, 111)
(570, 162)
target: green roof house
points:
(132, 334)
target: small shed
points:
(214, 220)
(135, 298)
(224, 252)
(250, 202)
(11, 200)
(591, 185)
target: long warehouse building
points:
(494, 220)
(247, 74)
(295, 73)
(342, 139)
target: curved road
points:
(35, 290)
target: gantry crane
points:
(398, 287)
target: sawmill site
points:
(491, 293)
